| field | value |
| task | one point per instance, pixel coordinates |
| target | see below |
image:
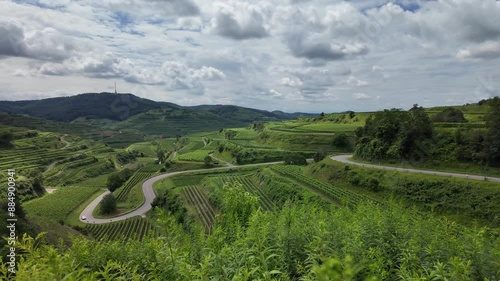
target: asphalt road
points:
(345, 159)
(149, 195)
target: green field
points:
(134, 228)
(61, 203)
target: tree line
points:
(396, 135)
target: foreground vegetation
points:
(298, 242)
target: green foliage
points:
(282, 190)
(362, 180)
(116, 179)
(257, 126)
(58, 205)
(294, 158)
(108, 204)
(207, 160)
(318, 156)
(5, 138)
(449, 114)
(244, 155)
(395, 134)
(462, 200)
(196, 156)
(238, 205)
(197, 199)
(250, 185)
(162, 154)
(340, 140)
(340, 195)
(135, 228)
(493, 134)
(171, 203)
(127, 157)
(478, 145)
(296, 243)
(230, 134)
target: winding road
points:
(149, 194)
(345, 159)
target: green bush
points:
(108, 204)
(116, 179)
(294, 158)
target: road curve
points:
(345, 159)
(149, 195)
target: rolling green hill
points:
(123, 106)
(92, 105)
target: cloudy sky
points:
(291, 55)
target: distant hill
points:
(120, 107)
(93, 105)
(246, 114)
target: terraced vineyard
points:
(336, 193)
(197, 199)
(133, 228)
(193, 145)
(138, 177)
(250, 186)
(196, 156)
(61, 203)
(30, 157)
(73, 173)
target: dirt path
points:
(51, 166)
(67, 144)
(345, 159)
(65, 141)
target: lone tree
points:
(318, 156)
(116, 179)
(340, 140)
(108, 204)
(207, 160)
(160, 153)
(6, 138)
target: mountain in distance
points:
(91, 105)
(119, 107)
(246, 114)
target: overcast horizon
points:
(294, 55)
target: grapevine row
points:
(336, 193)
(197, 199)
(134, 228)
(248, 185)
(137, 178)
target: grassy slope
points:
(466, 201)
